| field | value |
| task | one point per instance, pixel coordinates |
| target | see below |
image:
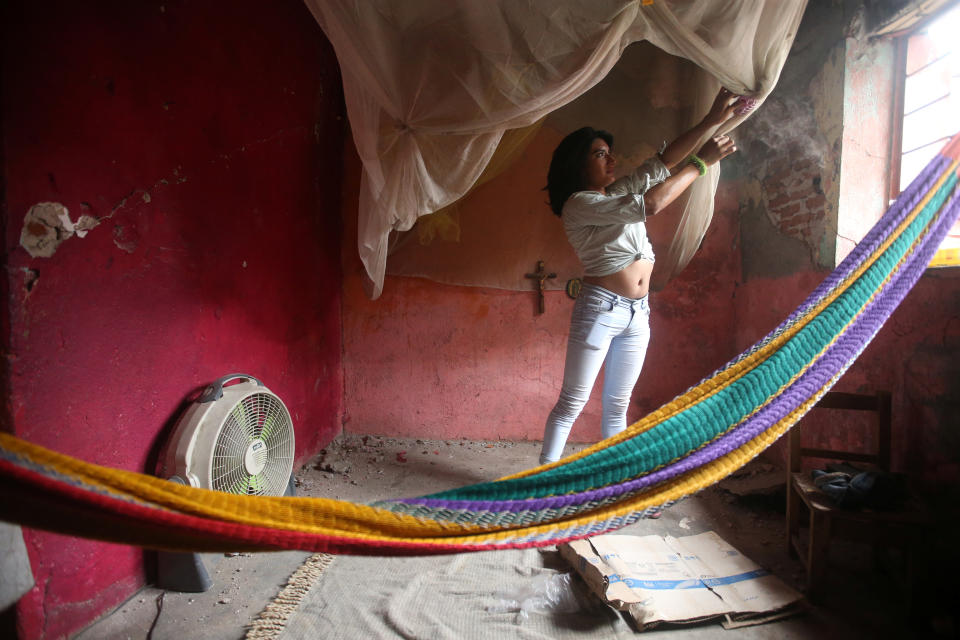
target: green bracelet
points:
(696, 161)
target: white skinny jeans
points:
(605, 329)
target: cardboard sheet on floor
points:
(661, 579)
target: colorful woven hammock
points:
(686, 445)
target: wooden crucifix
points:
(542, 277)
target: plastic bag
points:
(547, 593)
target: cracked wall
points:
(807, 196)
(816, 155)
(47, 224)
(789, 168)
(171, 215)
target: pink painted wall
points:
(431, 360)
(206, 139)
(915, 356)
(440, 361)
(838, 90)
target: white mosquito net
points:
(434, 87)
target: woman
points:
(604, 221)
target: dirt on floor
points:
(746, 509)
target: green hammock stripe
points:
(710, 417)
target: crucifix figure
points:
(542, 276)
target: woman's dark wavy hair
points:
(565, 176)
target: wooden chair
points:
(903, 527)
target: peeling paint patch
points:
(84, 224)
(47, 224)
(126, 238)
(30, 278)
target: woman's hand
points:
(680, 149)
(723, 108)
(716, 148)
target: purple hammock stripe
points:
(895, 214)
(844, 350)
(902, 206)
(837, 357)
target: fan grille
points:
(253, 454)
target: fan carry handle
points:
(215, 390)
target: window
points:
(931, 107)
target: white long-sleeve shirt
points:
(608, 231)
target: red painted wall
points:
(206, 139)
(209, 142)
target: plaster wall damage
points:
(47, 224)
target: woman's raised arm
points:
(659, 197)
(680, 149)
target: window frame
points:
(944, 257)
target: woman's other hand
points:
(716, 148)
(723, 108)
(659, 197)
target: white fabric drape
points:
(431, 85)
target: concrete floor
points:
(747, 511)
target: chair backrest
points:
(838, 400)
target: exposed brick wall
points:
(795, 171)
(794, 199)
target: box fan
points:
(237, 437)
